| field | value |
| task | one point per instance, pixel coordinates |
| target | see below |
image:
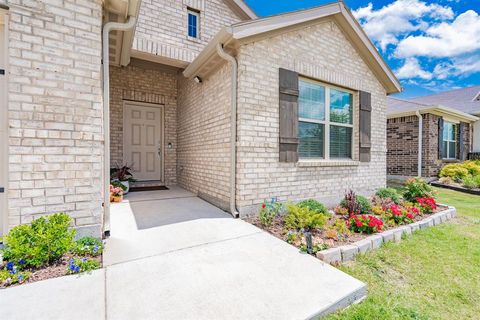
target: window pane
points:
(340, 106)
(340, 142)
(311, 101)
(311, 140)
(445, 149)
(452, 152)
(192, 25)
(453, 132)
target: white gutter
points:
(420, 142)
(233, 128)
(106, 115)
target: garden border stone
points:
(348, 252)
(455, 188)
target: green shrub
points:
(417, 188)
(42, 242)
(470, 182)
(356, 204)
(473, 167)
(88, 246)
(298, 218)
(455, 171)
(314, 205)
(477, 180)
(389, 193)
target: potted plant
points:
(123, 175)
(116, 194)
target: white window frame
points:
(455, 132)
(196, 13)
(327, 123)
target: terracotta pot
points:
(116, 198)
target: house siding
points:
(203, 136)
(55, 111)
(162, 27)
(402, 155)
(321, 52)
(146, 83)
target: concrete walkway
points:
(171, 255)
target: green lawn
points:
(434, 274)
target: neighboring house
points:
(302, 95)
(449, 131)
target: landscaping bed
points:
(463, 177)
(46, 249)
(358, 224)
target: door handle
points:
(159, 151)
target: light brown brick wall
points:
(162, 27)
(203, 135)
(55, 111)
(321, 52)
(147, 83)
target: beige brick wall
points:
(144, 83)
(162, 27)
(321, 52)
(203, 136)
(55, 111)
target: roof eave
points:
(429, 109)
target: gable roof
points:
(401, 108)
(465, 99)
(250, 30)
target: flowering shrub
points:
(116, 191)
(88, 246)
(82, 265)
(417, 188)
(427, 205)
(269, 211)
(364, 223)
(399, 215)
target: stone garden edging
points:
(348, 252)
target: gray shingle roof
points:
(465, 99)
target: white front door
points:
(142, 140)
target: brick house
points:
(302, 95)
(446, 136)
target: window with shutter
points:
(325, 121)
(365, 126)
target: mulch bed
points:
(54, 270)
(278, 229)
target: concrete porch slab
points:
(254, 276)
(71, 297)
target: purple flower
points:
(95, 249)
(21, 262)
(84, 260)
(72, 267)
(10, 266)
(77, 269)
(20, 277)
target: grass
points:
(434, 274)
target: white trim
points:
(196, 13)
(439, 110)
(162, 131)
(455, 132)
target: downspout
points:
(420, 142)
(109, 26)
(233, 129)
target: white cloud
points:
(401, 17)
(412, 69)
(445, 39)
(458, 67)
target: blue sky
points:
(432, 46)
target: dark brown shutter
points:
(365, 125)
(461, 142)
(288, 106)
(441, 150)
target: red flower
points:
(359, 223)
(264, 206)
(409, 216)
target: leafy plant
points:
(350, 203)
(88, 246)
(364, 224)
(341, 211)
(10, 274)
(82, 265)
(269, 211)
(417, 188)
(314, 205)
(389, 193)
(356, 204)
(399, 215)
(316, 247)
(123, 173)
(117, 184)
(298, 218)
(469, 182)
(42, 242)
